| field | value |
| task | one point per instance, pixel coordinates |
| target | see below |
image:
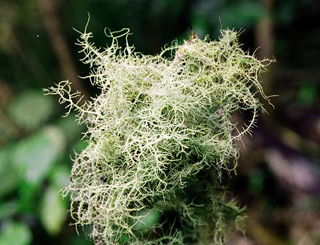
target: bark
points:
(264, 38)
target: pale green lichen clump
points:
(159, 137)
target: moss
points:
(159, 137)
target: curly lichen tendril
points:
(155, 130)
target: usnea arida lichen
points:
(159, 137)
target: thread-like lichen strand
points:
(159, 136)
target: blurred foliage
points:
(278, 186)
(27, 116)
(16, 233)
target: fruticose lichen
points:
(159, 136)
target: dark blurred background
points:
(279, 170)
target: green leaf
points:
(27, 195)
(71, 129)
(31, 109)
(53, 211)
(80, 146)
(8, 174)
(15, 233)
(60, 177)
(35, 156)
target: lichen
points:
(160, 136)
